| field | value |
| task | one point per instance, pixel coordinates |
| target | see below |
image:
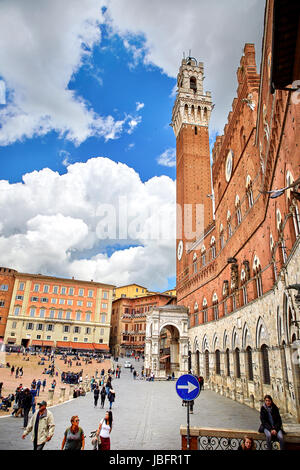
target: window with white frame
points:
(88, 331)
(87, 317)
(245, 296)
(105, 295)
(60, 314)
(71, 290)
(29, 326)
(36, 288)
(17, 311)
(2, 303)
(103, 318)
(81, 292)
(66, 329)
(4, 287)
(79, 303)
(14, 325)
(104, 305)
(32, 312)
(21, 285)
(54, 301)
(70, 302)
(40, 326)
(89, 304)
(19, 297)
(61, 301)
(42, 312)
(63, 291)
(46, 289)
(52, 313)
(76, 329)
(50, 327)
(55, 289)
(68, 315)
(90, 293)
(78, 316)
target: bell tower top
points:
(192, 106)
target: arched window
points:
(218, 362)
(193, 83)
(249, 363)
(249, 191)
(213, 247)
(238, 210)
(203, 255)
(265, 364)
(257, 274)
(227, 362)
(237, 363)
(215, 306)
(221, 237)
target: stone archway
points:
(167, 332)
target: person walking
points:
(38, 386)
(103, 395)
(33, 395)
(12, 370)
(111, 397)
(271, 423)
(74, 436)
(134, 374)
(104, 431)
(41, 425)
(17, 372)
(44, 384)
(96, 395)
(26, 404)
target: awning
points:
(36, 342)
(63, 344)
(75, 345)
(101, 347)
(11, 340)
(164, 357)
(48, 343)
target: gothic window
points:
(249, 191)
(265, 364)
(213, 247)
(283, 250)
(193, 83)
(227, 363)
(238, 210)
(237, 363)
(229, 229)
(218, 362)
(249, 363)
(259, 288)
(245, 296)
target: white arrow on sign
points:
(191, 387)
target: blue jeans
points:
(279, 437)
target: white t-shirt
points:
(105, 428)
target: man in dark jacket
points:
(271, 423)
(26, 405)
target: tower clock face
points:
(228, 165)
(180, 250)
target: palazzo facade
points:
(238, 265)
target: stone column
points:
(50, 397)
(62, 395)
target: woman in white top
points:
(104, 431)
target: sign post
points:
(188, 389)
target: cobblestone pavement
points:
(147, 415)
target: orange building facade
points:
(128, 322)
(235, 278)
(49, 312)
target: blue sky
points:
(85, 113)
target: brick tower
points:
(190, 119)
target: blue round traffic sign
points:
(187, 387)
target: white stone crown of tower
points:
(191, 105)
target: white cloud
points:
(167, 158)
(215, 31)
(42, 48)
(139, 106)
(57, 231)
